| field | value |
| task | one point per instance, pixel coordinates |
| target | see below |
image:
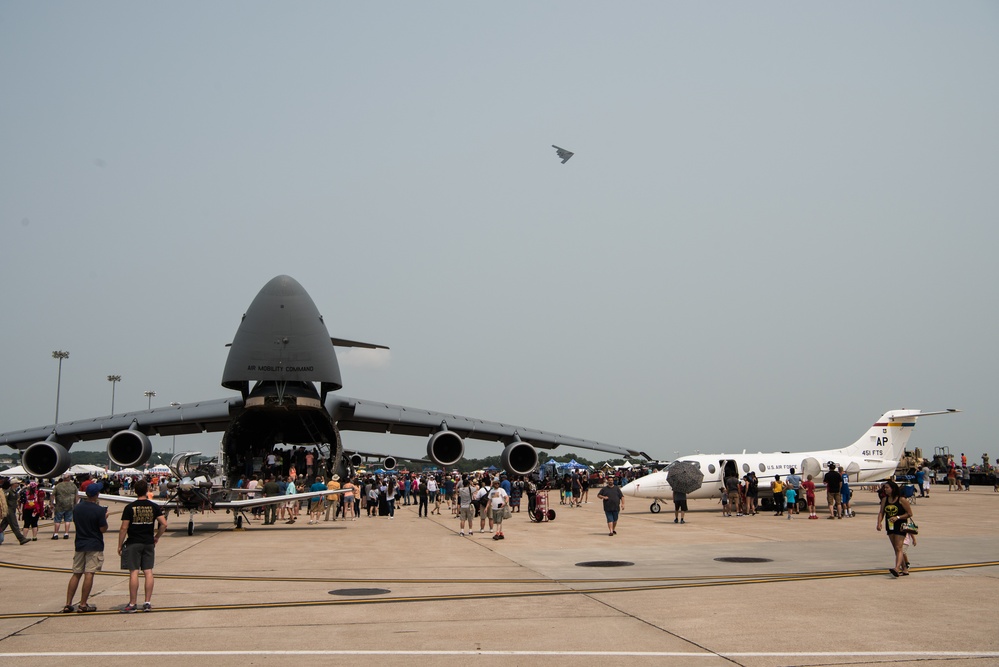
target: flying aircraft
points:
(873, 457)
(198, 492)
(563, 153)
(282, 363)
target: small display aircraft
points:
(873, 457)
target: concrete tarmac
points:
(410, 590)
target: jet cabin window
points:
(711, 468)
(745, 467)
(763, 468)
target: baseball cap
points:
(94, 489)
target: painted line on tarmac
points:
(635, 654)
(512, 594)
(549, 580)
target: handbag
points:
(507, 512)
(910, 527)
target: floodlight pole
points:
(60, 355)
(113, 379)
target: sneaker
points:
(682, 521)
(65, 536)
(147, 606)
(497, 537)
(503, 537)
(56, 536)
(129, 609)
(676, 521)
(462, 533)
(24, 541)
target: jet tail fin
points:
(887, 438)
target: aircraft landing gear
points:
(239, 522)
(190, 527)
(655, 507)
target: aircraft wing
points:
(168, 420)
(124, 500)
(273, 500)
(355, 414)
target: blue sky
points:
(780, 221)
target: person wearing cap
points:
(498, 498)
(32, 503)
(90, 521)
(64, 499)
(333, 500)
(9, 517)
(8, 509)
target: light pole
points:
(173, 447)
(60, 355)
(149, 394)
(113, 379)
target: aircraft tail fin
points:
(887, 438)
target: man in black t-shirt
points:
(613, 504)
(142, 525)
(834, 487)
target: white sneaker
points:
(462, 533)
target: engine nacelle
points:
(519, 458)
(129, 448)
(388, 463)
(445, 448)
(45, 459)
(356, 460)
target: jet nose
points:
(630, 489)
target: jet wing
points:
(124, 500)
(355, 414)
(168, 420)
(273, 500)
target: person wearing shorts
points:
(498, 498)
(90, 521)
(613, 504)
(63, 500)
(142, 525)
(466, 511)
(679, 506)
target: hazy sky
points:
(780, 221)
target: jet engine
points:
(357, 460)
(519, 458)
(445, 448)
(129, 448)
(46, 459)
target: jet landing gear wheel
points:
(239, 522)
(655, 507)
(190, 527)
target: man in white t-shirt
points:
(498, 498)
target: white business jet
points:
(873, 457)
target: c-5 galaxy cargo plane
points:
(283, 364)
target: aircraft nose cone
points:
(630, 489)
